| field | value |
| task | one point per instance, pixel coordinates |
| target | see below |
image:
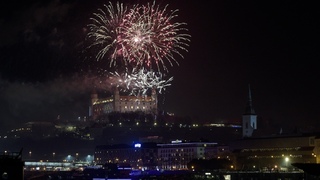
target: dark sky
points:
(271, 45)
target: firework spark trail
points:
(141, 36)
(104, 30)
(138, 82)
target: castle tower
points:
(94, 99)
(154, 99)
(249, 118)
(116, 100)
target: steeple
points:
(94, 96)
(249, 108)
(249, 118)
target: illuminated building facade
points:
(317, 149)
(122, 104)
(139, 156)
(153, 156)
(177, 155)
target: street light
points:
(68, 158)
(287, 160)
(89, 158)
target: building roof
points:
(249, 108)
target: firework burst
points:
(152, 37)
(144, 36)
(104, 31)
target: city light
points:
(287, 160)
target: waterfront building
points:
(275, 152)
(177, 154)
(164, 156)
(138, 156)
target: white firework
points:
(139, 81)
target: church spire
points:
(249, 108)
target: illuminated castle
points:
(122, 104)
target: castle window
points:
(125, 107)
(131, 107)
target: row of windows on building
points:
(147, 99)
(137, 102)
(156, 156)
(177, 150)
(125, 107)
(132, 107)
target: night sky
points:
(271, 45)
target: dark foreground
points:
(185, 175)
